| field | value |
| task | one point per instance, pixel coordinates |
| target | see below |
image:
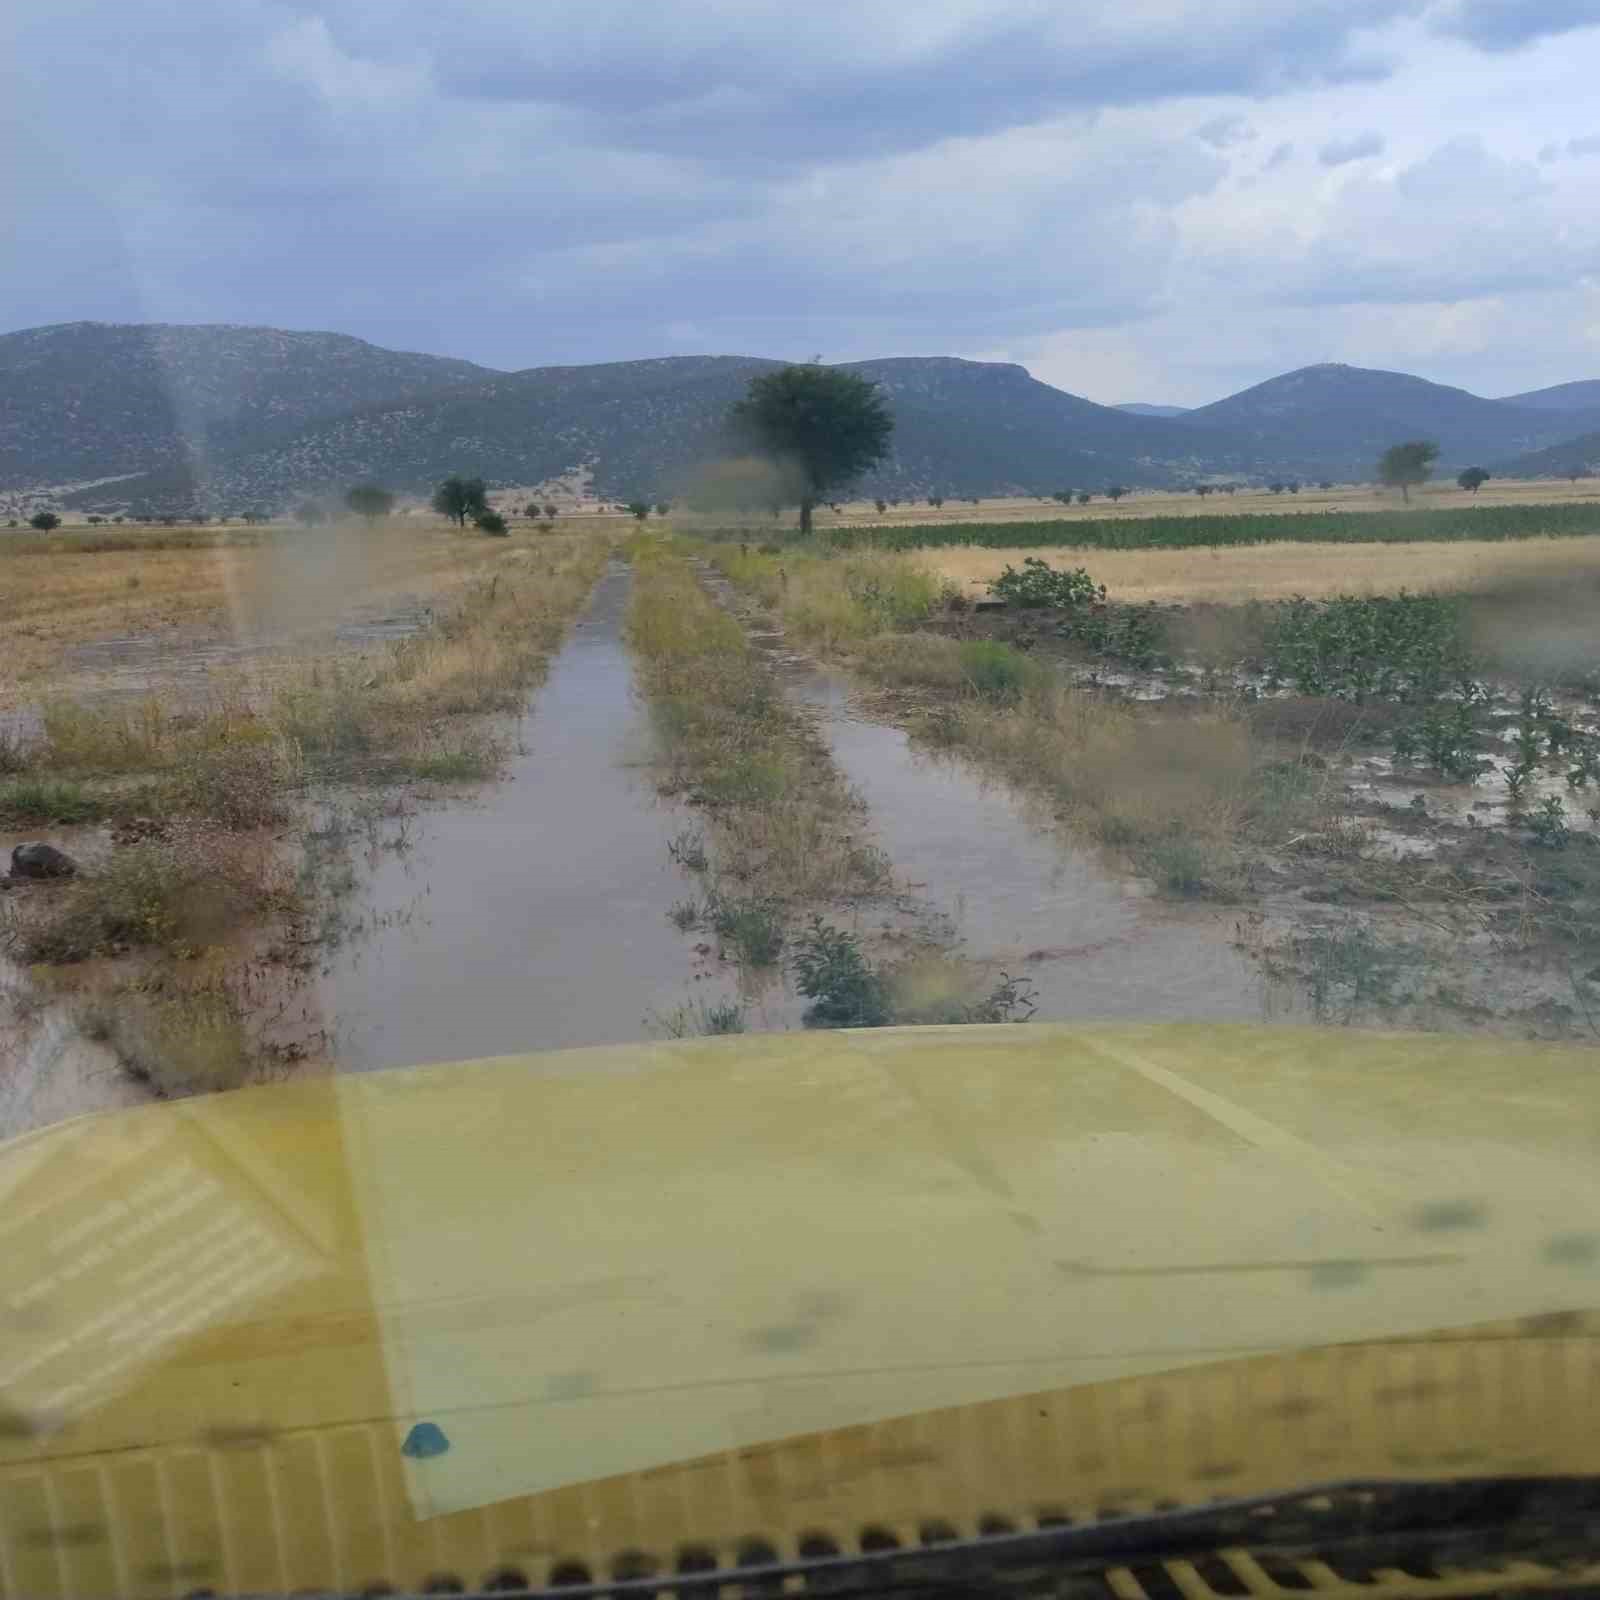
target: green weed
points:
(994, 670)
(26, 801)
(751, 928)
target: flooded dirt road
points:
(533, 915)
(1021, 899)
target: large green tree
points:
(460, 498)
(1402, 466)
(823, 427)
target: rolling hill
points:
(87, 400)
(640, 427)
(104, 417)
(1571, 458)
(1333, 421)
(1581, 396)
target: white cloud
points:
(1358, 147)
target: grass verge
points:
(784, 827)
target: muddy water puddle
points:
(533, 916)
(1021, 900)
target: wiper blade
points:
(1358, 1527)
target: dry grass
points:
(181, 892)
(1232, 575)
(176, 1038)
(286, 587)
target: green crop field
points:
(1314, 527)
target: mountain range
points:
(158, 418)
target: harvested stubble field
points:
(198, 808)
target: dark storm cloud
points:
(1508, 24)
(759, 82)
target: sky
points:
(1158, 200)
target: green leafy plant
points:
(833, 974)
(1038, 584)
(1549, 823)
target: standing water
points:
(1023, 900)
(537, 918)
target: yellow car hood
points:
(560, 1306)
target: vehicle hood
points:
(956, 1265)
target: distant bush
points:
(638, 509)
(44, 521)
(491, 522)
(550, 509)
(1084, 497)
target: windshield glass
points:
(774, 781)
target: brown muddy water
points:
(533, 916)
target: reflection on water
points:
(535, 916)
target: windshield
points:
(771, 781)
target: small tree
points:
(663, 507)
(1327, 483)
(1084, 497)
(309, 514)
(1277, 488)
(1202, 489)
(882, 505)
(369, 500)
(1472, 479)
(1294, 486)
(491, 522)
(460, 498)
(44, 521)
(1575, 472)
(1115, 493)
(550, 509)
(824, 426)
(1403, 466)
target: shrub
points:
(491, 522)
(833, 974)
(1040, 584)
(44, 521)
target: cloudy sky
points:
(1156, 199)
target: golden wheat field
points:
(1233, 574)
